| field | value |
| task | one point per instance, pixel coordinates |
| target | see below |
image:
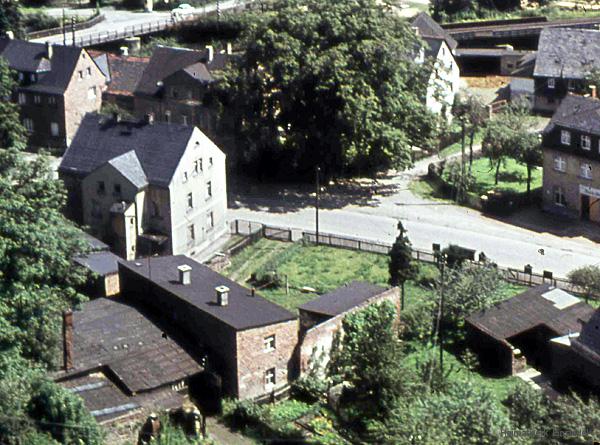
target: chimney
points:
(124, 50)
(150, 118)
(68, 340)
(593, 91)
(229, 49)
(10, 35)
(416, 30)
(48, 50)
(222, 295)
(211, 52)
(185, 274)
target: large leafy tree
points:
(331, 84)
(588, 279)
(10, 17)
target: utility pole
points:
(318, 186)
(73, 29)
(440, 329)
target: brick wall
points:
(253, 360)
(316, 343)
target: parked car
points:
(182, 10)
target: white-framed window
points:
(585, 170)
(32, 77)
(91, 92)
(559, 196)
(586, 142)
(190, 201)
(21, 77)
(210, 220)
(54, 128)
(208, 189)
(565, 137)
(28, 124)
(551, 83)
(269, 343)
(197, 166)
(51, 100)
(22, 98)
(168, 116)
(37, 99)
(184, 119)
(184, 178)
(560, 163)
(270, 378)
(191, 233)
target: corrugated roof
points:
(343, 299)
(567, 53)
(242, 312)
(528, 310)
(158, 147)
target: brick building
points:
(571, 146)
(248, 341)
(57, 86)
(564, 59)
(146, 187)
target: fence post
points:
(237, 226)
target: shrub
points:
(38, 21)
(427, 276)
(309, 388)
(417, 321)
(244, 413)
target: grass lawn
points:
(513, 176)
(456, 147)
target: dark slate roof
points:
(109, 333)
(528, 310)
(590, 333)
(242, 312)
(567, 53)
(577, 113)
(158, 147)
(343, 299)
(102, 263)
(429, 28)
(164, 62)
(53, 75)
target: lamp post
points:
(318, 186)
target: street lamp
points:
(317, 171)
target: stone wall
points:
(316, 342)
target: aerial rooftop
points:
(578, 113)
(343, 298)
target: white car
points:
(182, 10)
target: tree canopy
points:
(331, 84)
(10, 17)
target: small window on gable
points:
(101, 188)
(269, 343)
(89, 71)
(79, 75)
(190, 201)
(210, 161)
(551, 83)
(565, 137)
(586, 142)
(208, 189)
(117, 190)
(184, 178)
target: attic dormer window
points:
(551, 83)
(565, 137)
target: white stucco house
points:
(444, 79)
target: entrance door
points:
(585, 207)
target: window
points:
(101, 189)
(190, 201)
(168, 116)
(91, 92)
(565, 137)
(21, 77)
(586, 142)
(551, 83)
(184, 120)
(37, 99)
(208, 189)
(570, 85)
(210, 161)
(22, 98)
(54, 128)
(559, 196)
(174, 93)
(191, 233)
(89, 71)
(560, 164)
(117, 189)
(269, 343)
(32, 77)
(197, 166)
(28, 124)
(270, 377)
(80, 75)
(210, 220)
(585, 170)
(184, 179)
(51, 100)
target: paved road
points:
(375, 218)
(119, 20)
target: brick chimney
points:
(593, 91)
(68, 340)
(222, 295)
(48, 50)
(185, 274)
(211, 53)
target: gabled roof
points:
(428, 28)
(158, 147)
(130, 167)
(539, 306)
(164, 62)
(567, 53)
(343, 299)
(243, 310)
(590, 333)
(53, 75)
(577, 113)
(123, 72)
